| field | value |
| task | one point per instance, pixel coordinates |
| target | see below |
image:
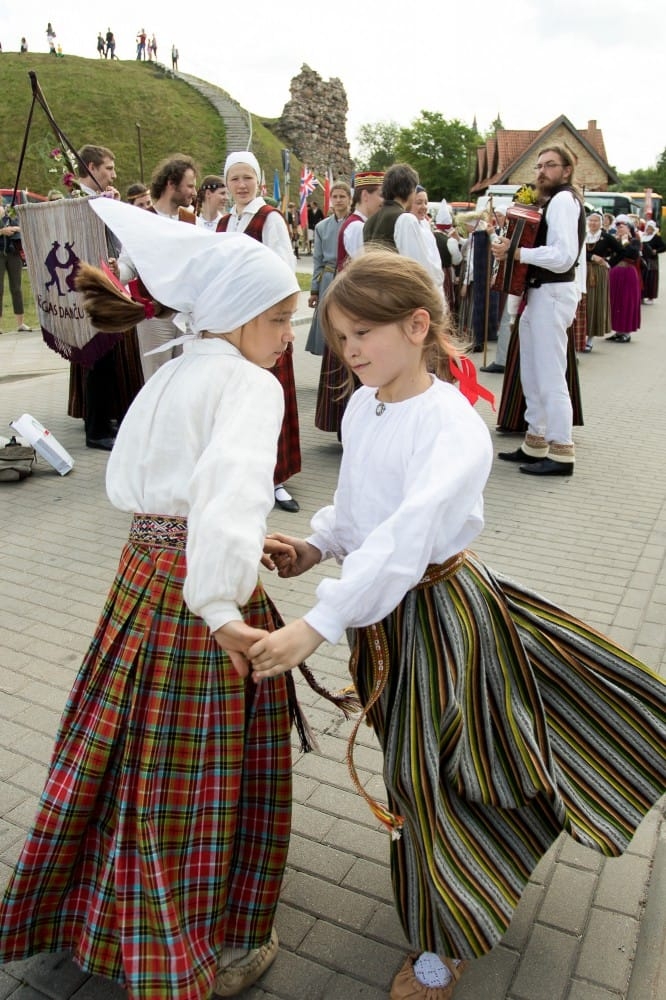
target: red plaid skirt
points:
(163, 829)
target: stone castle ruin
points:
(314, 123)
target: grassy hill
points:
(100, 101)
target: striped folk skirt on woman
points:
(503, 721)
(162, 832)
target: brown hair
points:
(110, 309)
(171, 170)
(95, 155)
(568, 157)
(380, 286)
(135, 191)
(370, 188)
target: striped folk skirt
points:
(504, 721)
(332, 392)
(598, 300)
(511, 413)
(162, 833)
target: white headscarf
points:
(242, 157)
(215, 281)
(650, 229)
(591, 237)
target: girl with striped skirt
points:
(160, 842)
(503, 720)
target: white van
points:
(502, 195)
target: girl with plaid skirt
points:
(160, 842)
(503, 720)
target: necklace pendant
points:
(379, 409)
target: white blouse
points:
(200, 441)
(410, 493)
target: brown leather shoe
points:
(235, 978)
(406, 986)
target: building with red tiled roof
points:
(509, 156)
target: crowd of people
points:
(159, 848)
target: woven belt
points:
(158, 531)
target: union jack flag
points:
(308, 183)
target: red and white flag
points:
(308, 183)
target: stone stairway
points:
(236, 119)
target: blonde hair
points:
(379, 286)
(110, 309)
(341, 185)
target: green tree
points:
(442, 153)
(650, 177)
(377, 144)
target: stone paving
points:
(586, 929)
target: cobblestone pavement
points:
(586, 929)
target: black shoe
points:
(518, 456)
(623, 338)
(493, 368)
(477, 348)
(548, 467)
(289, 505)
(105, 444)
(286, 501)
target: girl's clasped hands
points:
(267, 654)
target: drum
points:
(522, 226)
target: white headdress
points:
(215, 281)
(242, 157)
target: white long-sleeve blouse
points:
(410, 493)
(200, 441)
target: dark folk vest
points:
(537, 276)
(380, 227)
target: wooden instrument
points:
(521, 227)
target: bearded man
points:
(552, 297)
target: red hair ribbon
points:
(136, 291)
(463, 370)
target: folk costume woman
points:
(503, 720)
(251, 215)
(624, 282)
(599, 245)
(651, 246)
(159, 847)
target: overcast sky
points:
(586, 59)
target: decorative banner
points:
(56, 237)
